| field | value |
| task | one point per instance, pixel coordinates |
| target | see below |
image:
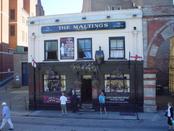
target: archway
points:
(158, 53)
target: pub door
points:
(86, 90)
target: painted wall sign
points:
(53, 99)
(84, 27)
(117, 99)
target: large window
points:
(54, 83)
(51, 50)
(116, 47)
(84, 48)
(119, 83)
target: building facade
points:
(6, 56)
(87, 53)
(20, 10)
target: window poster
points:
(67, 48)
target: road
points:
(25, 123)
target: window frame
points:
(45, 51)
(117, 38)
(78, 49)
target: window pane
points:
(55, 83)
(51, 48)
(85, 48)
(117, 83)
(117, 47)
(119, 43)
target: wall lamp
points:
(134, 15)
(32, 22)
(57, 20)
(33, 35)
(108, 16)
(84, 18)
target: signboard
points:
(84, 27)
(53, 99)
(117, 99)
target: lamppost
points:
(34, 70)
(136, 57)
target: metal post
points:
(34, 77)
(136, 87)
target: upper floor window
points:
(12, 30)
(117, 47)
(12, 14)
(51, 50)
(84, 48)
(67, 48)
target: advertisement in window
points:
(67, 48)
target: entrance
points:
(86, 89)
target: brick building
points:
(6, 56)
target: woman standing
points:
(170, 116)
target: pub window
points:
(12, 30)
(117, 47)
(51, 50)
(84, 48)
(117, 83)
(12, 14)
(54, 83)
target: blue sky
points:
(53, 7)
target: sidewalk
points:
(17, 99)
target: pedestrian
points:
(63, 100)
(74, 101)
(6, 116)
(170, 116)
(102, 102)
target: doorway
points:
(25, 73)
(86, 90)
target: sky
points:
(52, 7)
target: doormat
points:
(127, 114)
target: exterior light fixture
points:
(32, 22)
(84, 18)
(33, 35)
(134, 15)
(108, 16)
(57, 20)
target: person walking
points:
(170, 116)
(102, 101)
(63, 100)
(6, 117)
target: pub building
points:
(87, 53)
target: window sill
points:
(117, 59)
